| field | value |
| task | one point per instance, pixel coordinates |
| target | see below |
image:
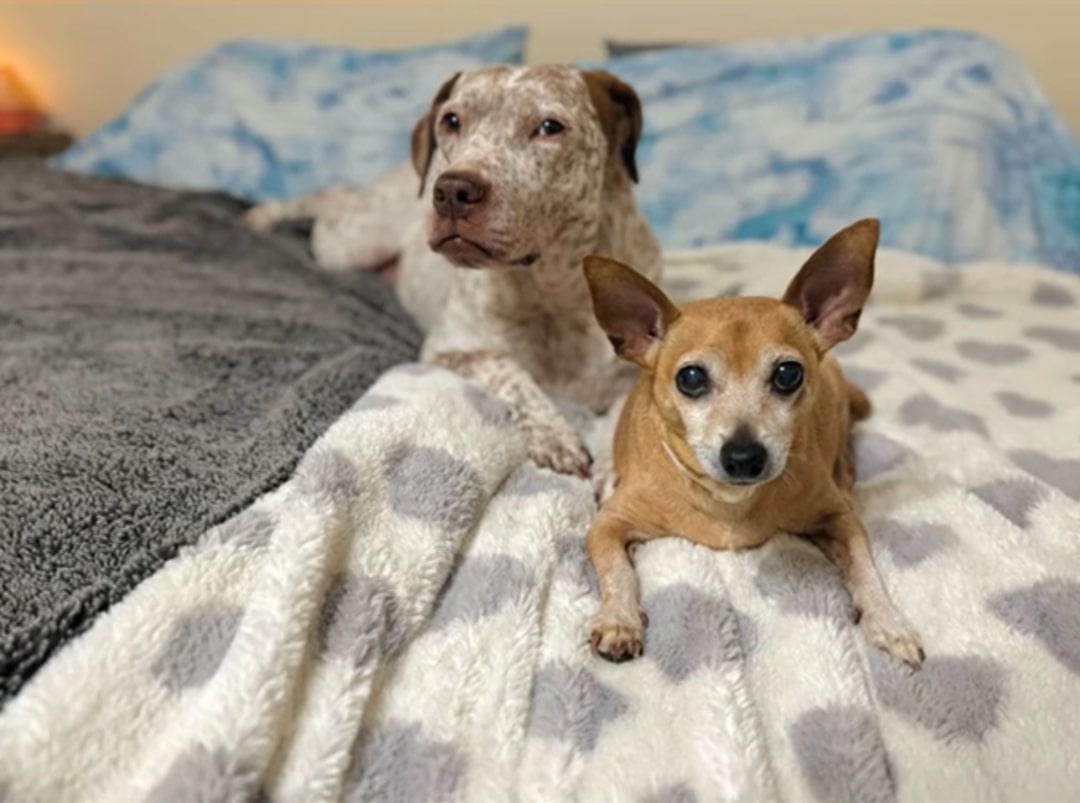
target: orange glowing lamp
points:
(20, 112)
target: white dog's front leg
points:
(552, 441)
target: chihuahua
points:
(738, 429)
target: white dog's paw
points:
(559, 447)
(262, 217)
(886, 629)
(617, 634)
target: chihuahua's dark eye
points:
(692, 381)
(451, 122)
(787, 377)
(550, 128)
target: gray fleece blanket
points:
(160, 368)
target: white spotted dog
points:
(523, 172)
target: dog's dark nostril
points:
(744, 459)
(459, 194)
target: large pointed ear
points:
(632, 311)
(832, 287)
(619, 109)
(422, 143)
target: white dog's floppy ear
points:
(619, 109)
(832, 287)
(632, 311)
(422, 144)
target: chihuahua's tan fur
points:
(738, 429)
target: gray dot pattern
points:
(432, 485)
(1014, 498)
(938, 369)
(978, 311)
(914, 327)
(993, 353)
(481, 586)
(690, 630)
(1021, 406)
(803, 583)
(1062, 473)
(911, 543)
(923, 409)
(1049, 612)
(397, 763)
(360, 618)
(1062, 338)
(842, 756)
(955, 697)
(196, 646)
(571, 704)
(1053, 295)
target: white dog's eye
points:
(451, 122)
(550, 128)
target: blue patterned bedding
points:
(269, 120)
(945, 136)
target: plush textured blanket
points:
(160, 368)
(404, 619)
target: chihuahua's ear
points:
(832, 287)
(619, 109)
(632, 311)
(422, 143)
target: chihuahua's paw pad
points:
(560, 450)
(891, 632)
(617, 637)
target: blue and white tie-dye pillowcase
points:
(268, 120)
(943, 135)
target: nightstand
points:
(43, 144)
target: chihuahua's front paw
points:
(560, 449)
(617, 635)
(889, 631)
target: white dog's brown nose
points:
(457, 194)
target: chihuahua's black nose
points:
(743, 457)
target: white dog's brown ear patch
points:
(619, 109)
(632, 311)
(422, 143)
(831, 288)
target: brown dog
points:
(737, 430)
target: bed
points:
(256, 552)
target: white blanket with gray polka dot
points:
(404, 620)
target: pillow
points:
(266, 120)
(943, 135)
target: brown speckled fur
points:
(525, 334)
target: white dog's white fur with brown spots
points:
(523, 171)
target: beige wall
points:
(89, 59)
